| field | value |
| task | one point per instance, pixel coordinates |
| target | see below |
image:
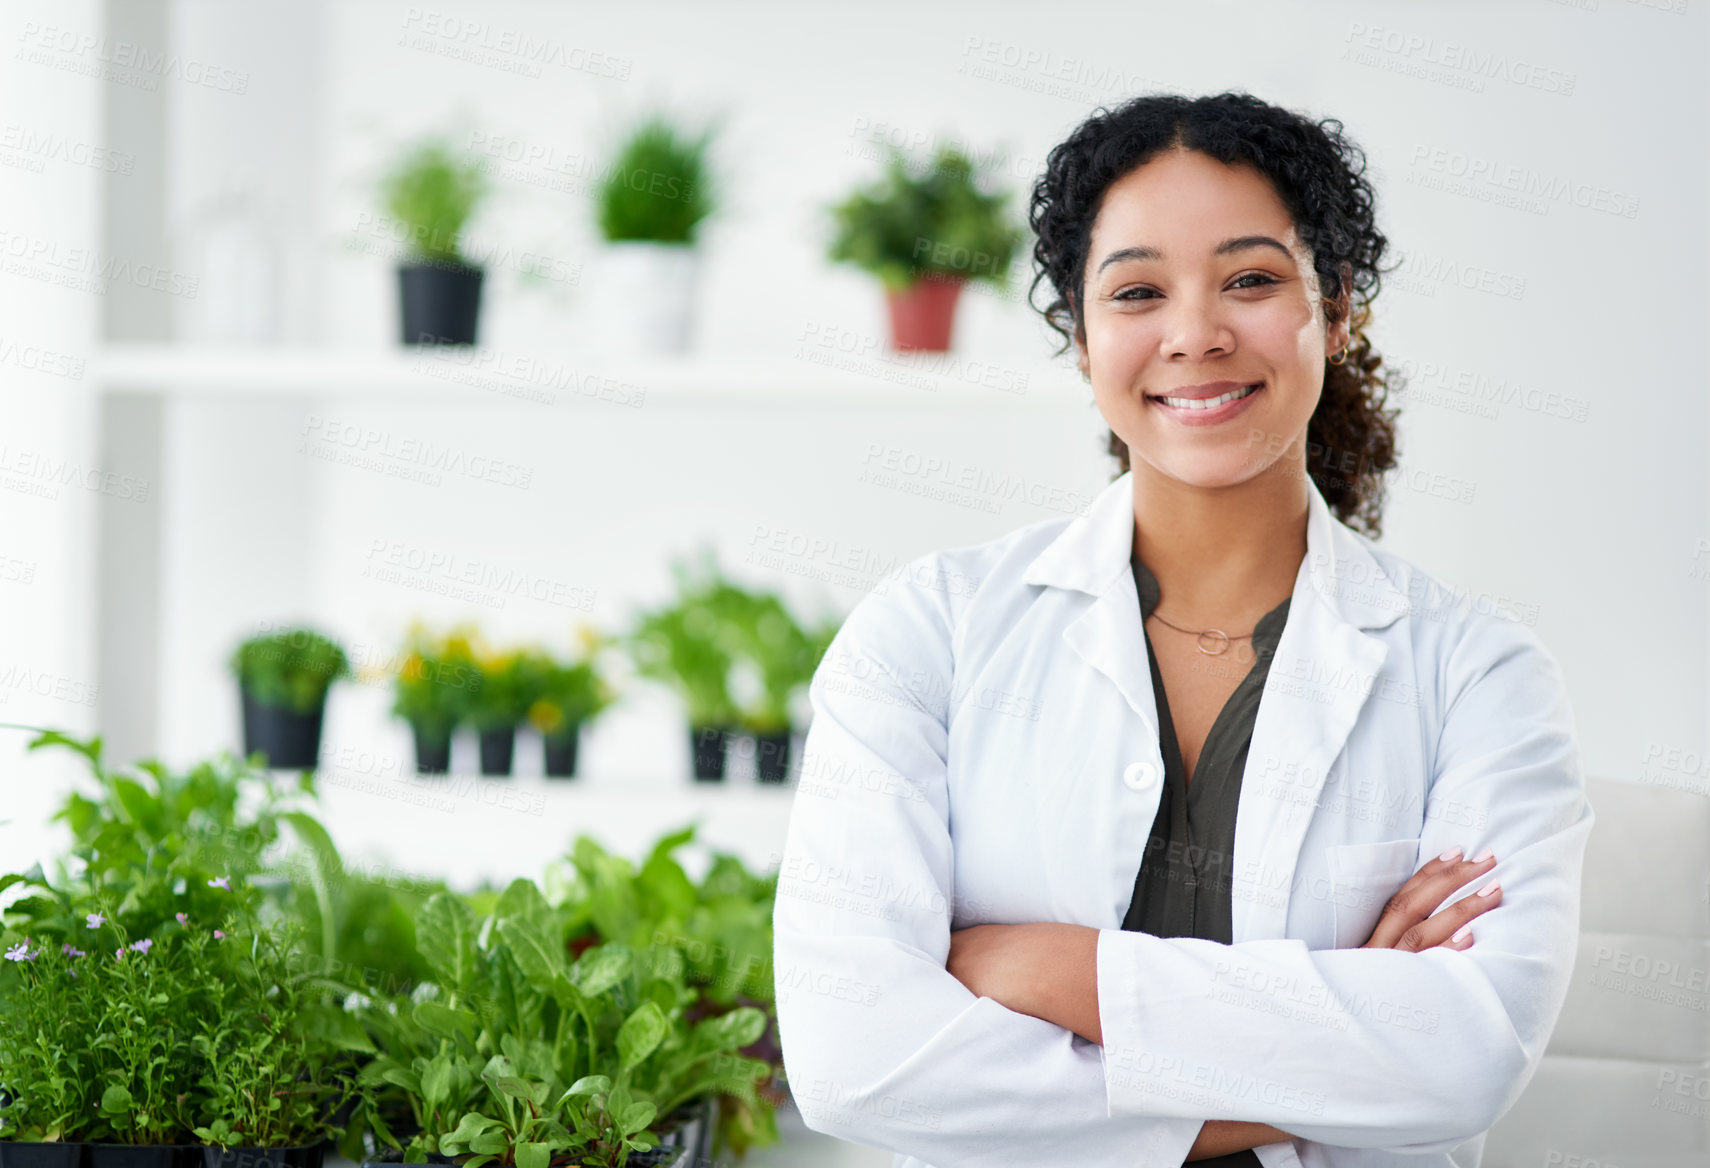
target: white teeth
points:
(1208, 403)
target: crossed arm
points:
(1049, 970)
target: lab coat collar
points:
(1325, 668)
(1091, 554)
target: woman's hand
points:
(1407, 922)
(1046, 969)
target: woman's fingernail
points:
(1451, 853)
(1483, 856)
(1460, 934)
(1489, 888)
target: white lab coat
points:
(984, 748)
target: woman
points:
(1115, 858)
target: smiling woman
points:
(1066, 951)
(1297, 280)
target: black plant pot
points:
(307, 1156)
(440, 303)
(433, 749)
(143, 1155)
(561, 752)
(498, 748)
(708, 745)
(17, 1154)
(772, 756)
(291, 741)
(392, 1158)
(690, 1127)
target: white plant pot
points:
(642, 297)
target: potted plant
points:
(196, 1047)
(434, 690)
(782, 656)
(431, 192)
(687, 645)
(522, 1054)
(567, 695)
(924, 232)
(722, 926)
(499, 704)
(283, 678)
(648, 207)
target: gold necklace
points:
(1217, 634)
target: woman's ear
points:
(1339, 335)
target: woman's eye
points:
(1239, 282)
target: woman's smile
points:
(1206, 405)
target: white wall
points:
(50, 227)
(1592, 525)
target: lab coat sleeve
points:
(881, 1045)
(1385, 1048)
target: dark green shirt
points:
(1183, 887)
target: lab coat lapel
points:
(1325, 665)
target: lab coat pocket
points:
(1362, 879)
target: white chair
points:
(1625, 1080)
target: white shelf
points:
(927, 380)
(391, 824)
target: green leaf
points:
(533, 1155)
(446, 1022)
(403, 1077)
(522, 898)
(737, 1028)
(493, 1142)
(445, 934)
(635, 1117)
(601, 968)
(540, 960)
(116, 1101)
(589, 1085)
(640, 1034)
(337, 1029)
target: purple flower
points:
(71, 951)
(218, 934)
(142, 946)
(96, 920)
(182, 919)
(21, 952)
(119, 952)
(220, 882)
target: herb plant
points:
(437, 679)
(658, 186)
(291, 668)
(926, 220)
(432, 192)
(563, 693)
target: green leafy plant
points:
(432, 191)
(517, 1053)
(291, 668)
(737, 655)
(506, 692)
(204, 1027)
(687, 644)
(926, 220)
(657, 188)
(566, 694)
(437, 679)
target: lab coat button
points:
(1140, 775)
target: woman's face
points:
(1196, 276)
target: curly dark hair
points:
(1320, 176)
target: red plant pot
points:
(923, 315)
